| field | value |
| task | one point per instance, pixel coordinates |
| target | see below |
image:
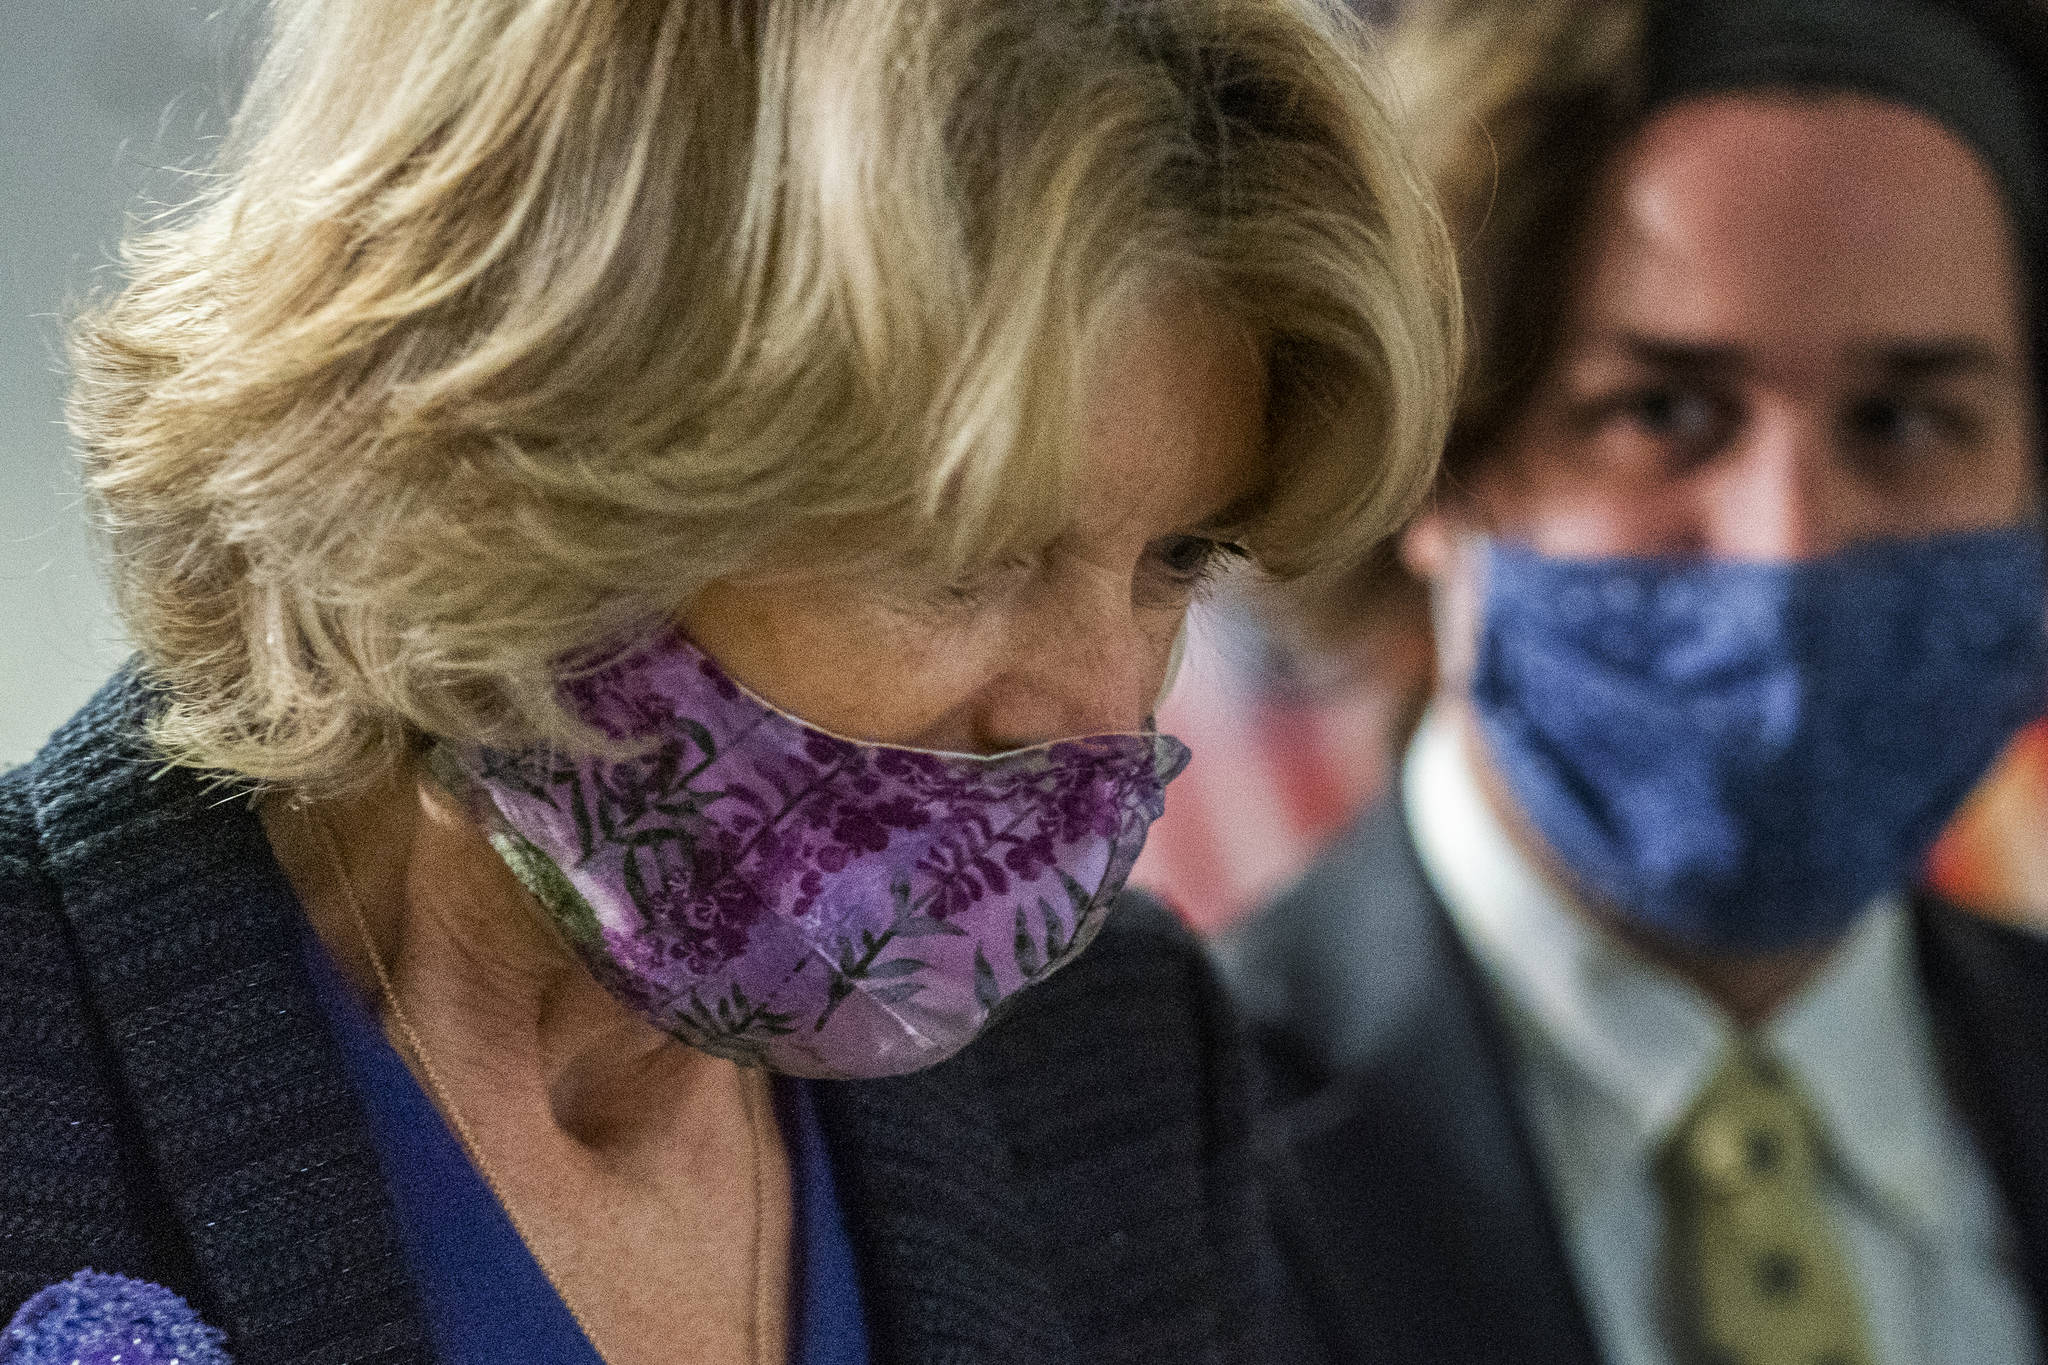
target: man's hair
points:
(1516, 109)
(504, 326)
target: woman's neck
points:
(648, 1178)
(400, 869)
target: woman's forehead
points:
(1175, 427)
(1804, 223)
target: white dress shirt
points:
(1612, 1051)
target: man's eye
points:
(1673, 414)
(1887, 421)
(1658, 428)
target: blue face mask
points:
(1740, 756)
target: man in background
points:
(1618, 1032)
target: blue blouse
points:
(486, 1298)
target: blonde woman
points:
(654, 530)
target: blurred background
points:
(105, 105)
(102, 102)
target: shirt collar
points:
(1861, 1044)
(1639, 1043)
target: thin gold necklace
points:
(756, 1346)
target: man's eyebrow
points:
(1935, 358)
(1684, 357)
(1906, 360)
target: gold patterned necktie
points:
(1761, 1273)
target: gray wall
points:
(97, 99)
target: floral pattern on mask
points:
(784, 897)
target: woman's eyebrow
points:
(1239, 514)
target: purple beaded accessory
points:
(787, 898)
(96, 1319)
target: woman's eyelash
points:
(1193, 559)
(1188, 562)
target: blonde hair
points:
(1512, 110)
(508, 325)
(1515, 108)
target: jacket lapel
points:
(189, 937)
(1406, 1191)
(948, 1273)
(1987, 989)
(1075, 1185)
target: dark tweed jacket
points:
(1073, 1188)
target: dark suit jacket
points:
(1074, 1187)
(1406, 1191)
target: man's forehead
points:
(1832, 221)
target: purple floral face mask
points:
(786, 898)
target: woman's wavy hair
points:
(505, 326)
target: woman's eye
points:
(1191, 560)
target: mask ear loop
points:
(1457, 608)
(1173, 662)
